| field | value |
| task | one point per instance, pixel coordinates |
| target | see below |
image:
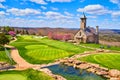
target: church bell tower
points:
(83, 22)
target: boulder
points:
(83, 66)
(101, 72)
(91, 70)
(94, 65)
(77, 62)
(114, 78)
(114, 73)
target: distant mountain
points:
(116, 31)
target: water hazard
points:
(71, 73)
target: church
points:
(86, 34)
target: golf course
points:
(108, 60)
(41, 50)
(44, 50)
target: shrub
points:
(3, 39)
(1, 48)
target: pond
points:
(71, 73)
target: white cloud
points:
(91, 16)
(60, 0)
(38, 1)
(56, 15)
(116, 14)
(43, 7)
(68, 14)
(16, 22)
(2, 13)
(1, 6)
(23, 12)
(94, 9)
(115, 1)
(2, 0)
(53, 8)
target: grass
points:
(4, 57)
(24, 75)
(38, 51)
(99, 45)
(109, 60)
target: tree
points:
(12, 33)
(3, 39)
(27, 32)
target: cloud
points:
(23, 12)
(1, 6)
(94, 9)
(55, 15)
(91, 16)
(115, 1)
(53, 8)
(116, 14)
(25, 22)
(2, 13)
(60, 0)
(43, 7)
(2, 0)
(38, 1)
(68, 14)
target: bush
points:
(1, 48)
(3, 39)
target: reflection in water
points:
(71, 73)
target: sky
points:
(60, 13)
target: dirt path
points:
(21, 63)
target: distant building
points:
(86, 34)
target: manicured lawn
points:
(99, 45)
(38, 51)
(12, 77)
(24, 75)
(109, 60)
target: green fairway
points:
(24, 75)
(38, 51)
(109, 60)
(99, 45)
(12, 77)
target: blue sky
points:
(60, 13)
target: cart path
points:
(21, 63)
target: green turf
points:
(99, 45)
(24, 75)
(37, 50)
(3, 56)
(109, 60)
(12, 77)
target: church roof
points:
(90, 31)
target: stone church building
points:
(86, 34)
